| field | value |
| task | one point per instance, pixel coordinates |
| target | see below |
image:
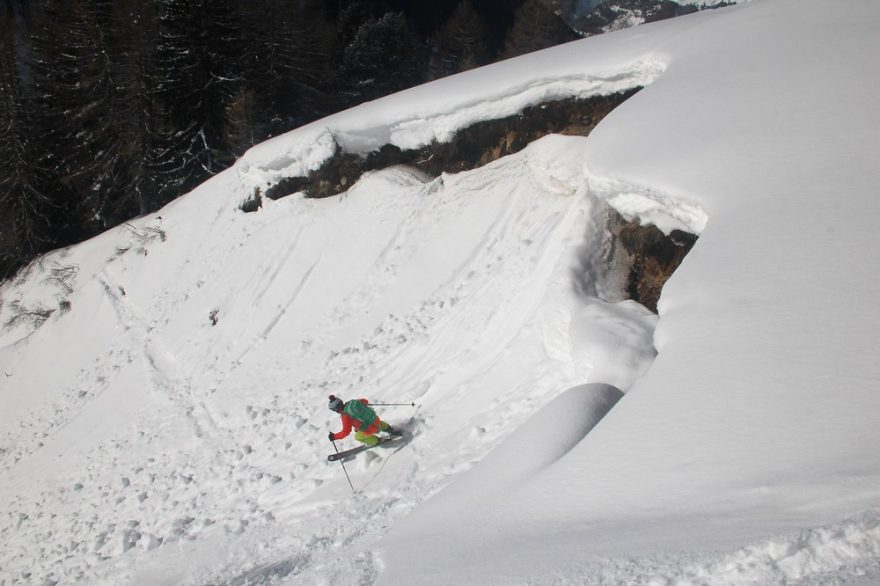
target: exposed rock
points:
(253, 203)
(649, 257)
(472, 147)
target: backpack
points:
(360, 413)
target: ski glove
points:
(330, 436)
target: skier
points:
(359, 415)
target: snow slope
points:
(167, 423)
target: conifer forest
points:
(109, 109)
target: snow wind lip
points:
(307, 148)
(649, 205)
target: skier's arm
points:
(346, 428)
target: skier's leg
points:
(370, 440)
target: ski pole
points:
(413, 404)
(343, 468)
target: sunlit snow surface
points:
(170, 427)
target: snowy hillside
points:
(164, 385)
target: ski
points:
(346, 453)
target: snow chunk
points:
(649, 205)
(273, 160)
(846, 549)
(442, 126)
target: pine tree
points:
(535, 27)
(24, 205)
(246, 121)
(73, 78)
(461, 43)
(286, 64)
(132, 35)
(350, 19)
(385, 56)
(188, 92)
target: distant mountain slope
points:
(593, 17)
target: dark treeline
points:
(109, 109)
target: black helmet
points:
(336, 404)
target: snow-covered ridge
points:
(198, 414)
(375, 124)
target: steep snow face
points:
(775, 320)
(752, 420)
(194, 412)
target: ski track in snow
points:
(236, 450)
(229, 440)
(239, 448)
